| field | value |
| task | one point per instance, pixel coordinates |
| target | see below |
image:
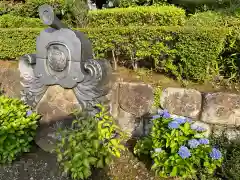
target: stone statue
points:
(63, 57)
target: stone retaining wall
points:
(217, 112)
(131, 104)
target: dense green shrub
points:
(129, 3)
(76, 13)
(30, 7)
(90, 143)
(4, 7)
(192, 6)
(10, 21)
(228, 61)
(211, 18)
(18, 126)
(199, 51)
(230, 168)
(72, 12)
(182, 51)
(150, 15)
(178, 148)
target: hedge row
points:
(186, 52)
(149, 15)
(137, 16)
(211, 18)
(11, 21)
(29, 8)
(155, 15)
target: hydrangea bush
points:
(178, 147)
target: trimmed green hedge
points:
(186, 52)
(30, 7)
(211, 18)
(149, 15)
(134, 16)
(11, 21)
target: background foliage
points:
(195, 47)
(77, 15)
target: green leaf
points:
(86, 172)
(100, 163)
(77, 156)
(96, 144)
(86, 163)
(81, 175)
(59, 157)
(92, 160)
(174, 171)
(2, 138)
(108, 160)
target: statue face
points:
(57, 58)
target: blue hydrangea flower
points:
(173, 125)
(156, 116)
(200, 129)
(180, 120)
(197, 128)
(189, 120)
(215, 154)
(158, 150)
(193, 143)
(165, 114)
(184, 152)
(203, 141)
(194, 126)
(29, 112)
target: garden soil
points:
(40, 165)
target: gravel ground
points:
(40, 165)
(37, 165)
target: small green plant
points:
(178, 148)
(157, 95)
(91, 142)
(18, 126)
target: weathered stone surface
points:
(10, 81)
(46, 136)
(56, 102)
(126, 121)
(218, 130)
(135, 98)
(208, 128)
(232, 134)
(130, 124)
(180, 101)
(221, 108)
(113, 98)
